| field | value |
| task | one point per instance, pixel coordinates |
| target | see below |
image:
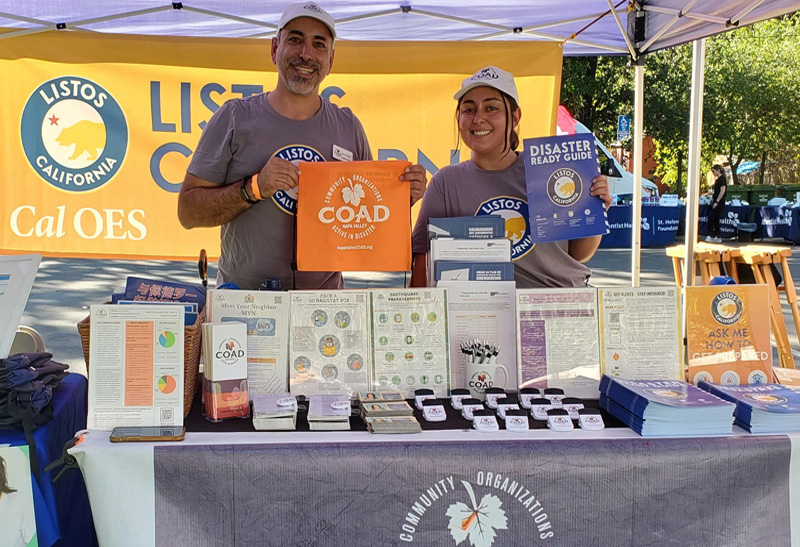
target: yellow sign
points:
(727, 336)
(98, 129)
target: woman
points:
(493, 182)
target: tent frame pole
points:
(638, 137)
(693, 174)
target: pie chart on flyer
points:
(166, 339)
(167, 384)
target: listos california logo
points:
(74, 133)
(353, 207)
(727, 308)
(476, 515)
(286, 200)
(564, 187)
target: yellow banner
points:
(97, 130)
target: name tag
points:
(341, 154)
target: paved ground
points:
(64, 289)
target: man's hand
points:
(277, 174)
(418, 178)
(599, 188)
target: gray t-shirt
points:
(241, 136)
(467, 190)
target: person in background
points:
(243, 175)
(492, 181)
(717, 201)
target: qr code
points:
(613, 317)
(279, 300)
(167, 415)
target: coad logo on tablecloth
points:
(74, 133)
(287, 200)
(353, 207)
(476, 512)
(727, 308)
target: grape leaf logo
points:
(479, 522)
(353, 194)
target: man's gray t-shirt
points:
(467, 190)
(242, 135)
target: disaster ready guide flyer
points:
(136, 356)
(410, 340)
(329, 342)
(558, 174)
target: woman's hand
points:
(600, 189)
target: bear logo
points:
(86, 136)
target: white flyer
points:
(329, 342)
(266, 314)
(135, 366)
(482, 310)
(640, 333)
(410, 340)
(557, 330)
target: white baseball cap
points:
(493, 77)
(307, 9)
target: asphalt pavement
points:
(65, 288)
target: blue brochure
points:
(480, 227)
(558, 174)
(764, 408)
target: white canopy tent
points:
(585, 27)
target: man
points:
(715, 207)
(242, 175)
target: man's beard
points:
(297, 84)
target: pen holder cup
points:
(480, 376)
(192, 336)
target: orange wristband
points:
(254, 187)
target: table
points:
(781, 222)
(62, 509)
(610, 487)
(659, 226)
(729, 220)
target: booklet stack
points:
(666, 408)
(396, 424)
(383, 410)
(471, 248)
(329, 413)
(765, 408)
(275, 412)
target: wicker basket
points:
(192, 338)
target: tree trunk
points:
(588, 101)
(762, 167)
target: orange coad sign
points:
(353, 216)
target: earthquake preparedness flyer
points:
(410, 340)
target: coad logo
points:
(564, 187)
(74, 133)
(727, 308)
(480, 519)
(287, 200)
(229, 351)
(480, 381)
(353, 207)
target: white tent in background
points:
(585, 27)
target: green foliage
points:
(752, 98)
